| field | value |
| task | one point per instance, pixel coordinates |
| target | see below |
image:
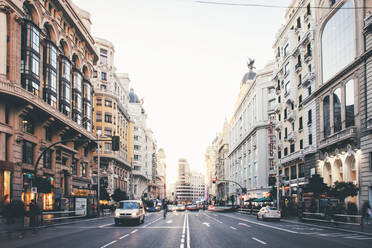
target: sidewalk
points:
(367, 228)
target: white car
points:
(268, 213)
(130, 210)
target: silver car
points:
(130, 210)
(268, 213)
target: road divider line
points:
(259, 241)
(233, 228)
(213, 218)
(126, 235)
(261, 224)
(101, 226)
(112, 242)
(188, 232)
(182, 245)
(243, 224)
(134, 231)
(153, 222)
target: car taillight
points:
(278, 212)
(267, 212)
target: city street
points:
(188, 229)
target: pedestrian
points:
(32, 213)
(165, 208)
(366, 212)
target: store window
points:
(326, 117)
(47, 159)
(5, 185)
(337, 110)
(338, 41)
(27, 125)
(28, 152)
(293, 172)
(84, 169)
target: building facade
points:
(197, 186)
(295, 77)
(249, 138)
(111, 119)
(222, 164)
(161, 174)
(184, 192)
(210, 170)
(46, 63)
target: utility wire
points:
(277, 6)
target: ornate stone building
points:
(46, 62)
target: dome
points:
(248, 76)
(133, 98)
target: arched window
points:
(337, 110)
(338, 41)
(349, 103)
(326, 117)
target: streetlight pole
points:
(98, 173)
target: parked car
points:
(172, 208)
(130, 210)
(180, 207)
(268, 213)
(192, 207)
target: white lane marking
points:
(101, 226)
(261, 224)
(355, 237)
(112, 242)
(243, 224)
(169, 221)
(233, 228)
(206, 223)
(213, 218)
(188, 232)
(182, 245)
(134, 231)
(259, 241)
(153, 222)
(126, 235)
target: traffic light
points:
(214, 179)
(115, 140)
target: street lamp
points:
(99, 133)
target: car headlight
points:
(117, 214)
(134, 214)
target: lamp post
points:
(99, 132)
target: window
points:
(293, 172)
(300, 99)
(278, 52)
(108, 131)
(310, 139)
(286, 70)
(28, 152)
(108, 103)
(309, 117)
(279, 117)
(136, 147)
(50, 74)
(271, 90)
(272, 104)
(103, 56)
(136, 157)
(349, 103)
(279, 154)
(135, 137)
(293, 126)
(286, 151)
(99, 101)
(309, 90)
(27, 125)
(84, 169)
(301, 144)
(292, 148)
(299, 22)
(108, 118)
(326, 117)
(286, 173)
(98, 116)
(285, 114)
(107, 147)
(337, 110)
(285, 133)
(300, 125)
(280, 135)
(338, 41)
(286, 50)
(299, 79)
(48, 133)
(74, 166)
(279, 99)
(47, 159)
(103, 76)
(308, 9)
(87, 90)
(287, 88)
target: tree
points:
(316, 186)
(341, 190)
(119, 195)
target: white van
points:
(130, 210)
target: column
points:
(3, 41)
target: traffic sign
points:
(34, 190)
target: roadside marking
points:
(182, 245)
(188, 232)
(112, 242)
(259, 241)
(243, 224)
(126, 235)
(169, 221)
(153, 222)
(357, 237)
(206, 223)
(233, 228)
(134, 231)
(261, 224)
(213, 218)
(105, 225)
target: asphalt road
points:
(189, 229)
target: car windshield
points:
(179, 205)
(128, 205)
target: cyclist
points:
(165, 208)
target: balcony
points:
(291, 137)
(307, 57)
(291, 115)
(345, 134)
(278, 125)
(310, 150)
(308, 79)
(278, 108)
(298, 67)
(139, 173)
(299, 155)
(368, 23)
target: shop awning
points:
(265, 199)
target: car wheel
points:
(117, 222)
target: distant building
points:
(184, 191)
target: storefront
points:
(5, 185)
(80, 201)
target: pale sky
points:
(186, 60)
